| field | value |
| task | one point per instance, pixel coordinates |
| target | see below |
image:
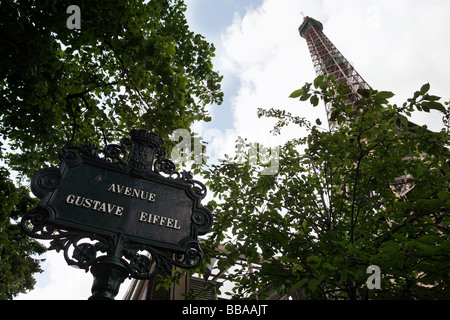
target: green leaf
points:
(314, 261)
(299, 284)
(314, 100)
(343, 276)
(425, 88)
(296, 93)
(334, 115)
(171, 50)
(328, 267)
(403, 120)
(305, 97)
(443, 195)
(364, 93)
(341, 120)
(319, 82)
(427, 105)
(312, 284)
(384, 95)
(431, 97)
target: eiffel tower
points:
(327, 60)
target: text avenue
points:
(116, 210)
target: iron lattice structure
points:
(328, 61)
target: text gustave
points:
(116, 210)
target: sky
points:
(395, 45)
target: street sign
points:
(125, 199)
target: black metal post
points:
(109, 274)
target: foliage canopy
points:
(132, 65)
(374, 191)
(16, 264)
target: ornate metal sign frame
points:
(162, 238)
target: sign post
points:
(120, 212)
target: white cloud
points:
(61, 282)
(394, 45)
(264, 50)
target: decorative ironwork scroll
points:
(119, 211)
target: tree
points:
(129, 65)
(372, 192)
(16, 249)
(133, 64)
